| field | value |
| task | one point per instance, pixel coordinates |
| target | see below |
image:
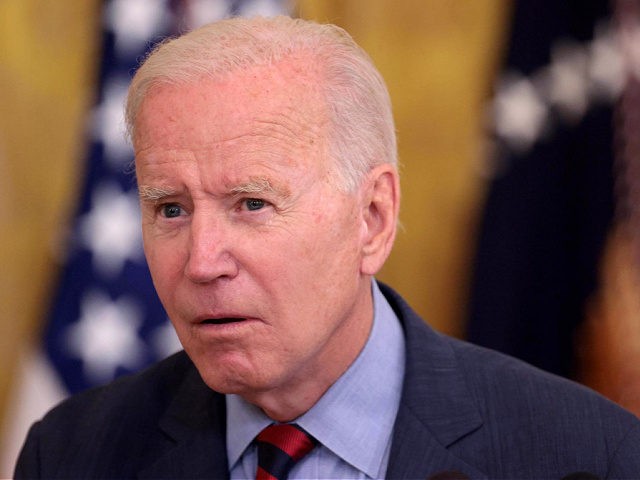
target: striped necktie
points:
(279, 449)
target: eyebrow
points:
(153, 194)
(257, 185)
(260, 185)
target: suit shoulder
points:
(566, 419)
(109, 431)
(510, 389)
(489, 369)
(147, 392)
(513, 387)
(507, 418)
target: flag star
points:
(164, 340)
(111, 230)
(606, 66)
(519, 112)
(108, 124)
(135, 22)
(105, 337)
(568, 80)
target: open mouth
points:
(222, 321)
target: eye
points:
(254, 204)
(171, 210)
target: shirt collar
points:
(355, 417)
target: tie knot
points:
(279, 449)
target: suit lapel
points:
(194, 426)
(436, 408)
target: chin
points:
(227, 378)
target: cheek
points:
(331, 249)
(152, 255)
(165, 261)
(331, 228)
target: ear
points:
(381, 203)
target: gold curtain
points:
(438, 58)
(47, 60)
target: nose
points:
(210, 257)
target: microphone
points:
(581, 476)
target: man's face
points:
(254, 254)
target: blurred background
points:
(518, 124)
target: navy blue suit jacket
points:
(463, 409)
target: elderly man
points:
(266, 166)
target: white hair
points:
(361, 128)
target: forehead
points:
(275, 104)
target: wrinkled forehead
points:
(286, 96)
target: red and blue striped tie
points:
(279, 449)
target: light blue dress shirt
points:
(353, 421)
